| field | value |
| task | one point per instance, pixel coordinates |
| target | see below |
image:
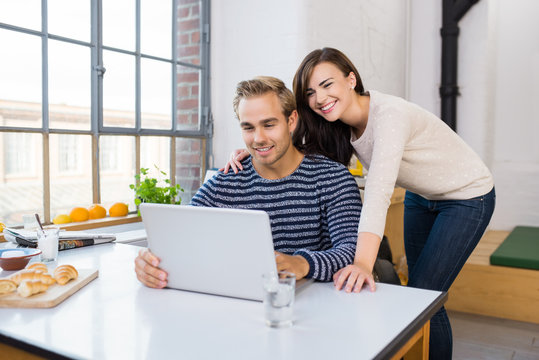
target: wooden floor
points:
(483, 337)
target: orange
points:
(97, 211)
(2, 227)
(118, 209)
(61, 219)
(79, 214)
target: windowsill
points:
(98, 223)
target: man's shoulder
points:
(322, 163)
(231, 177)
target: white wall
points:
(498, 110)
(260, 37)
(396, 46)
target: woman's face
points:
(330, 93)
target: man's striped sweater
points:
(314, 212)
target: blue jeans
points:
(439, 236)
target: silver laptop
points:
(211, 250)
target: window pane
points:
(70, 172)
(20, 80)
(119, 24)
(189, 31)
(69, 86)
(21, 176)
(70, 19)
(188, 164)
(156, 94)
(156, 28)
(119, 90)
(188, 104)
(117, 170)
(21, 13)
(155, 151)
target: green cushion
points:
(519, 249)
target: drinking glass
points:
(279, 291)
(47, 242)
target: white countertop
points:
(115, 317)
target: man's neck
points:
(282, 168)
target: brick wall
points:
(188, 151)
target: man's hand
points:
(354, 276)
(148, 273)
(293, 263)
(234, 161)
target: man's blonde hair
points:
(261, 85)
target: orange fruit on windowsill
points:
(118, 209)
(61, 219)
(97, 211)
(79, 214)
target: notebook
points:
(211, 250)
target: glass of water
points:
(47, 242)
(279, 291)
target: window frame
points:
(98, 71)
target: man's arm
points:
(341, 206)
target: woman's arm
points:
(391, 129)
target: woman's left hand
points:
(234, 161)
(354, 276)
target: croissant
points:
(30, 274)
(38, 266)
(31, 287)
(64, 273)
(7, 286)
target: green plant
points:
(148, 190)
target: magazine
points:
(68, 239)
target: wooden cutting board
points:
(54, 295)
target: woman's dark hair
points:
(314, 134)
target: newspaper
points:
(68, 239)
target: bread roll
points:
(64, 273)
(39, 267)
(31, 287)
(7, 286)
(31, 274)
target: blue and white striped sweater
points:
(314, 212)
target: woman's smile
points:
(328, 107)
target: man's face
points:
(265, 129)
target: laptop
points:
(217, 251)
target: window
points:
(67, 153)
(92, 93)
(18, 152)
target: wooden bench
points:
(499, 291)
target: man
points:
(313, 203)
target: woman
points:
(450, 192)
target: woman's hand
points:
(360, 272)
(234, 161)
(354, 276)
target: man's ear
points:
(293, 121)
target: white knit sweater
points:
(406, 145)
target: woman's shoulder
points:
(382, 102)
(389, 113)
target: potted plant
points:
(148, 189)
